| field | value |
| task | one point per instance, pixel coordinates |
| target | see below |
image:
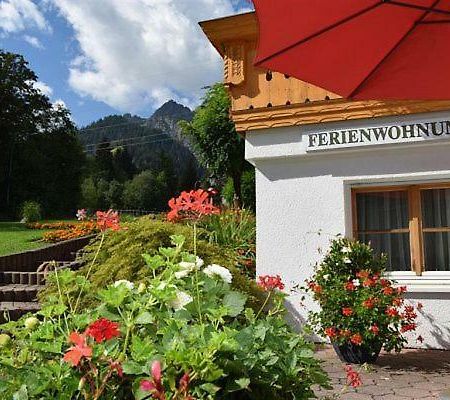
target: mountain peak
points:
(173, 110)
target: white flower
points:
(129, 285)
(180, 301)
(199, 262)
(346, 250)
(182, 274)
(347, 260)
(217, 270)
(190, 266)
(356, 282)
(326, 277)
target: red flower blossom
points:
(392, 312)
(419, 306)
(269, 283)
(108, 220)
(408, 327)
(369, 303)
(409, 314)
(385, 282)
(356, 339)
(81, 349)
(353, 377)
(369, 282)
(402, 289)
(388, 291)
(347, 311)
(103, 329)
(374, 329)
(349, 286)
(331, 332)
(362, 274)
(191, 205)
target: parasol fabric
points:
(360, 49)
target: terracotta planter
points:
(353, 354)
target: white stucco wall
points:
(300, 194)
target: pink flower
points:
(155, 384)
(108, 220)
(81, 214)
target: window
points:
(411, 224)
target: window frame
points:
(416, 230)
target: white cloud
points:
(33, 41)
(18, 15)
(136, 54)
(44, 88)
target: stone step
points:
(22, 278)
(13, 310)
(17, 293)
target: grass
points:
(16, 238)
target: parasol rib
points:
(411, 30)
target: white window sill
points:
(429, 282)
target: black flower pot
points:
(353, 354)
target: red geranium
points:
(388, 291)
(191, 205)
(269, 283)
(353, 378)
(350, 286)
(374, 329)
(347, 311)
(362, 274)
(369, 303)
(81, 349)
(392, 312)
(103, 329)
(356, 339)
(408, 327)
(108, 220)
(331, 332)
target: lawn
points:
(15, 238)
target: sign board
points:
(389, 134)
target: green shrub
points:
(31, 211)
(248, 189)
(121, 256)
(185, 316)
(233, 229)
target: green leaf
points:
(21, 394)
(114, 296)
(178, 240)
(133, 368)
(153, 262)
(144, 318)
(235, 302)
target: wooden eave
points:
(263, 99)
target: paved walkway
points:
(413, 374)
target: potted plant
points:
(362, 311)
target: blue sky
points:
(104, 57)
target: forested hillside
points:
(138, 162)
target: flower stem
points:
(89, 272)
(264, 305)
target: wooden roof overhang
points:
(263, 99)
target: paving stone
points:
(411, 375)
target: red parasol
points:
(360, 49)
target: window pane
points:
(382, 211)
(395, 245)
(436, 208)
(437, 251)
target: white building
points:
(376, 171)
